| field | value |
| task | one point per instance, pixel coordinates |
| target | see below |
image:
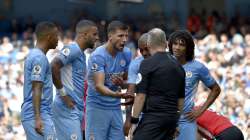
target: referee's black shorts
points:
(156, 127)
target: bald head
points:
(157, 38)
(142, 41)
(84, 25)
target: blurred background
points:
(221, 29)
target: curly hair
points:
(186, 38)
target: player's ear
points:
(109, 36)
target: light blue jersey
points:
(101, 61)
(68, 121)
(195, 72)
(103, 113)
(73, 73)
(37, 68)
(134, 70)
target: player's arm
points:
(214, 93)
(141, 89)
(56, 76)
(56, 72)
(181, 94)
(99, 78)
(37, 87)
(215, 90)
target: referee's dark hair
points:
(43, 29)
(184, 37)
(115, 25)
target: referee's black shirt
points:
(163, 81)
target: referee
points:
(160, 92)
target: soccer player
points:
(36, 109)
(68, 71)
(108, 66)
(133, 78)
(181, 45)
(160, 92)
(214, 126)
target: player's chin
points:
(120, 48)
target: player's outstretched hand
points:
(126, 96)
(129, 101)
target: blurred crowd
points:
(222, 44)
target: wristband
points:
(62, 91)
(134, 120)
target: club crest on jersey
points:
(94, 67)
(66, 51)
(73, 137)
(138, 78)
(189, 74)
(37, 70)
(122, 63)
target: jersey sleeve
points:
(183, 84)
(97, 63)
(39, 67)
(143, 77)
(128, 57)
(205, 76)
(68, 54)
(132, 73)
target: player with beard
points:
(68, 71)
(107, 71)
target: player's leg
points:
(188, 130)
(66, 121)
(97, 123)
(48, 131)
(116, 129)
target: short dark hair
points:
(84, 24)
(44, 28)
(186, 37)
(114, 25)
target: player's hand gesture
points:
(39, 125)
(126, 95)
(191, 116)
(117, 80)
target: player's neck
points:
(111, 49)
(182, 60)
(81, 45)
(157, 49)
(42, 46)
